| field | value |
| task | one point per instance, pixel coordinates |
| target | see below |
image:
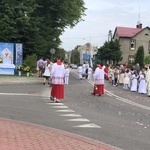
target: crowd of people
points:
(135, 78)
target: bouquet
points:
(26, 69)
(19, 68)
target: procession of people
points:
(135, 78)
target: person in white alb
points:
(57, 75)
(148, 81)
(98, 80)
(90, 73)
(67, 72)
(80, 71)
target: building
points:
(87, 52)
(130, 39)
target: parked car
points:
(71, 65)
(74, 66)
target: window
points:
(132, 44)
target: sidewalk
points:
(7, 80)
(16, 135)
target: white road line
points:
(91, 125)
(60, 107)
(65, 110)
(14, 94)
(133, 103)
(71, 115)
(55, 104)
(124, 100)
(79, 119)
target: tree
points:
(38, 24)
(147, 60)
(75, 56)
(110, 51)
(139, 56)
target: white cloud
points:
(102, 16)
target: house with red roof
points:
(130, 39)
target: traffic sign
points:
(52, 50)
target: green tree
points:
(139, 56)
(147, 60)
(75, 56)
(110, 51)
(38, 24)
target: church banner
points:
(19, 54)
(7, 53)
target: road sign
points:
(52, 50)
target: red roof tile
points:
(127, 32)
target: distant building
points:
(87, 52)
(130, 39)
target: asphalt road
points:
(118, 118)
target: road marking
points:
(123, 99)
(133, 103)
(71, 115)
(56, 104)
(91, 125)
(79, 119)
(59, 106)
(14, 94)
(65, 110)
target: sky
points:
(102, 16)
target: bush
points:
(31, 61)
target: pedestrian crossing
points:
(65, 111)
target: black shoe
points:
(51, 98)
(43, 83)
(93, 93)
(99, 95)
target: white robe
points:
(142, 84)
(148, 82)
(134, 83)
(67, 72)
(58, 73)
(99, 76)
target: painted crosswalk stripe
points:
(59, 106)
(65, 110)
(71, 115)
(56, 104)
(79, 119)
(91, 125)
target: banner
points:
(7, 53)
(19, 54)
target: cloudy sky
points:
(102, 16)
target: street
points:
(119, 118)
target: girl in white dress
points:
(142, 83)
(126, 79)
(46, 74)
(134, 81)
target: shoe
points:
(99, 95)
(51, 98)
(43, 83)
(57, 101)
(93, 93)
